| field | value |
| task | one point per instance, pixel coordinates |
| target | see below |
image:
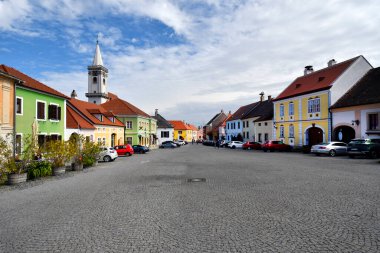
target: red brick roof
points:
(89, 110)
(30, 82)
(315, 81)
(179, 125)
(120, 107)
(192, 127)
(75, 120)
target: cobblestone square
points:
(250, 201)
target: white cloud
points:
(233, 50)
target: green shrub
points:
(39, 169)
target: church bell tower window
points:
(94, 79)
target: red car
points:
(252, 145)
(124, 150)
(275, 146)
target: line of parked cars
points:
(109, 154)
(173, 144)
(369, 147)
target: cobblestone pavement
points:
(251, 202)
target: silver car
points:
(107, 154)
(330, 148)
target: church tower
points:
(97, 79)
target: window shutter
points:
(59, 113)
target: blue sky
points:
(189, 59)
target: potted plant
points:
(57, 152)
(90, 153)
(8, 165)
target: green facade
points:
(29, 113)
(142, 129)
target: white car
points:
(180, 142)
(107, 154)
(235, 144)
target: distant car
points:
(252, 145)
(140, 149)
(107, 154)
(199, 141)
(275, 146)
(180, 142)
(208, 143)
(168, 144)
(235, 144)
(330, 148)
(124, 150)
(369, 147)
(224, 144)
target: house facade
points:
(7, 104)
(211, 129)
(181, 130)
(234, 125)
(356, 114)
(165, 131)
(39, 110)
(107, 129)
(301, 111)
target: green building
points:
(140, 128)
(39, 109)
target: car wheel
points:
(332, 153)
(233, 147)
(142, 152)
(249, 148)
(107, 158)
(373, 154)
(128, 154)
(318, 154)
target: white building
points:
(165, 131)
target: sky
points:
(187, 58)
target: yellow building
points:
(182, 131)
(94, 122)
(301, 111)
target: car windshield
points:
(359, 141)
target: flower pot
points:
(59, 171)
(17, 178)
(77, 166)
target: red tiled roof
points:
(242, 111)
(192, 127)
(75, 120)
(87, 109)
(179, 125)
(119, 106)
(315, 81)
(30, 82)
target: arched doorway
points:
(113, 139)
(344, 134)
(314, 135)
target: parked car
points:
(330, 148)
(208, 143)
(168, 144)
(140, 149)
(235, 144)
(175, 143)
(180, 142)
(224, 144)
(369, 147)
(107, 154)
(252, 145)
(124, 150)
(275, 146)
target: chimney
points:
(331, 62)
(308, 69)
(156, 112)
(269, 97)
(261, 96)
(74, 94)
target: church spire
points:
(97, 57)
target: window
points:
(281, 110)
(99, 141)
(94, 79)
(104, 81)
(179, 132)
(310, 104)
(266, 123)
(128, 124)
(291, 108)
(247, 123)
(40, 110)
(259, 137)
(19, 105)
(129, 140)
(247, 135)
(313, 105)
(104, 141)
(164, 134)
(373, 121)
(41, 140)
(259, 124)
(282, 131)
(54, 112)
(291, 131)
(243, 124)
(238, 125)
(317, 105)
(266, 137)
(55, 137)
